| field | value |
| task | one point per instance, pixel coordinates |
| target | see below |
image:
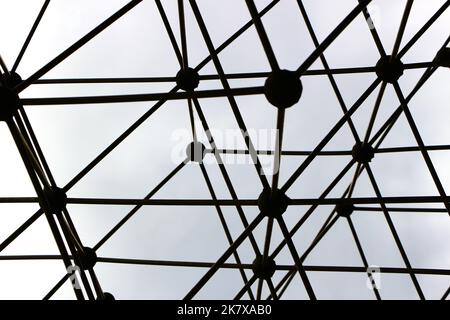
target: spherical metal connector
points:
(88, 258)
(363, 152)
(57, 199)
(11, 80)
(273, 203)
(389, 70)
(195, 151)
(345, 209)
(283, 88)
(264, 268)
(187, 79)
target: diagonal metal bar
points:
(327, 225)
(218, 209)
(267, 240)
(296, 258)
(402, 28)
(247, 286)
(285, 280)
(380, 47)
(224, 173)
(424, 28)
(26, 151)
(199, 285)
(69, 230)
(421, 145)
(387, 126)
(77, 45)
(284, 284)
(181, 18)
(138, 206)
(376, 107)
(3, 66)
(43, 201)
(278, 148)
(226, 86)
(310, 211)
(393, 231)
(373, 31)
(75, 248)
(237, 34)
(272, 289)
(169, 31)
(58, 285)
(327, 67)
(30, 35)
(262, 35)
(21, 229)
(389, 123)
(446, 294)
(362, 255)
(26, 127)
(208, 180)
(113, 145)
(225, 227)
(65, 220)
(322, 232)
(332, 36)
(329, 136)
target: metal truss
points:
(283, 90)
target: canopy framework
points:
(73, 253)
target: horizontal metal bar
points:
(143, 97)
(244, 202)
(245, 75)
(162, 202)
(198, 264)
(253, 202)
(332, 152)
(19, 200)
(370, 200)
(393, 209)
(278, 267)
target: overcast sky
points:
(137, 46)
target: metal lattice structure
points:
(283, 89)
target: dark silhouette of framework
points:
(282, 89)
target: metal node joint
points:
(187, 79)
(87, 258)
(273, 203)
(195, 151)
(344, 210)
(363, 152)
(283, 88)
(264, 267)
(389, 69)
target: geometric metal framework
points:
(282, 89)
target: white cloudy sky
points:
(137, 46)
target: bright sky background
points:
(137, 46)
